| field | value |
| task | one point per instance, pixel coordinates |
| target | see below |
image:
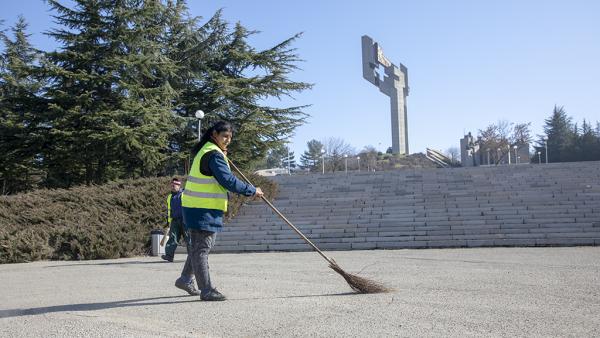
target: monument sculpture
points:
(394, 85)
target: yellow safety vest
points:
(203, 191)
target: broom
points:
(358, 284)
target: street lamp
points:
(288, 159)
(346, 159)
(488, 155)
(508, 154)
(199, 116)
(539, 153)
(516, 159)
(358, 158)
(498, 156)
(546, 145)
(323, 160)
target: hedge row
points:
(90, 222)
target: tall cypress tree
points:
(20, 106)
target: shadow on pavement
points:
(133, 302)
(115, 263)
(90, 306)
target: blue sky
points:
(470, 63)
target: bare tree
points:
(453, 153)
(335, 149)
(496, 140)
(521, 133)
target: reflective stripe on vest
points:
(203, 191)
(169, 218)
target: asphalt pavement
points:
(438, 292)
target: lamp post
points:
(539, 153)
(508, 154)
(199, 116)
(546, 146)
(346, 160)
(498, 156)
(488, 156)
(516, 159)
(288, 159)
(358, 158)
(323, 160)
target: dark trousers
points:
(196, 264)
(176, 232)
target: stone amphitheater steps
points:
(524, 205)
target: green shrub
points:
(90, 222)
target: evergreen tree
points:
(228, 79)
(289, 159)
(311, 158)
(80, 146)
(559, 135)
(110, 100)
(144, 116)
(128, 76)
(20, 104)
(275, 157)
(183, 45)
(588, 144)
(279, 157)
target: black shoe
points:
(167, 258)
(213, 295)
(188, 287)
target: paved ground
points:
(453, 292)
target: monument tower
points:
(394, 85)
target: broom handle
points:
(284, 218)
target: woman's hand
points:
(259, 193)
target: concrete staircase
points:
(519, 205)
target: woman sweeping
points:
(204, 200)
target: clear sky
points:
(470, 63)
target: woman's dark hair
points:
(220, 126)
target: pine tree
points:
(312, 156)
(80, 148)
(110, 95)
(228, 79)
(559, 135)
(588, 143)
(279, 157)
(289, 159)
(183, 45)
(21, 132)
(145, 119)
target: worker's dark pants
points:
(176, 232)
(196, 263)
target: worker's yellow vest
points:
(203, 191)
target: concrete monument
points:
(394, 85)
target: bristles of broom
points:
(360, 284)
(357, 283)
